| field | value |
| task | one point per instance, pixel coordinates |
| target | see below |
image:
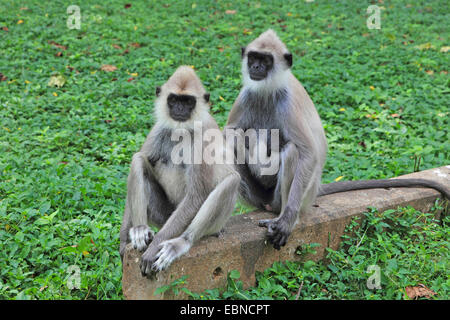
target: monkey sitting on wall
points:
(272, 98)
(185, 200)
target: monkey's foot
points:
(171, 250)
(277, 231)
(141, 236)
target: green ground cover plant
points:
(76, 104)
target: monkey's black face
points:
(181, 106)
(259, 65)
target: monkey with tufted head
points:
(186, 200)
(272, 98)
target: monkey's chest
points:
(264, 139)
(172, 179)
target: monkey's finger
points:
(143, 242)
(283, 240)
(148, 237)
(276, 240)
(133, 237)
(142, 267)
(263, 223)
(149, 269)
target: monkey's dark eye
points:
(190, 101)
(171, 98)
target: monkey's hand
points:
(141, 236)
(148, 260)
(171, 250)
(278, 231)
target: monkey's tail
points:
(343, 186)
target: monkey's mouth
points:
(179, 118)
(257, 77)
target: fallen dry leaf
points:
(53, 43)
(230, 12)
(445, 49)
(395, 115)
(430, 72)
(59, 54)
(5, 29)
(116, 46)
(3, 77)
(419, 291)
(56, 81)
(425, 46)
(108, 68)
(135, 45)
(127, 5)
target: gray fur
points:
(281, 102)
(187, 201)
(343, 186)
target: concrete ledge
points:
(243, 247)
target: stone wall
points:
(243, 247)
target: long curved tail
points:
(343, 186)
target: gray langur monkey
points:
(272, 98)
(185, 200)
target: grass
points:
(65, 151)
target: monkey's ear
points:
(206, 96)
(158, 91)
(242, 51)
(288, 57)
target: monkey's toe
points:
(141, 236)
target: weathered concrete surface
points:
(242, 246)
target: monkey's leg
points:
(124, 229)
(210, 219)
(280, 228)
(146, 203)
(289, 160)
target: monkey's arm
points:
(143, 189)
(235, 113)
(179, 219)
(280, 228)
(210, 219)
(343, 186)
